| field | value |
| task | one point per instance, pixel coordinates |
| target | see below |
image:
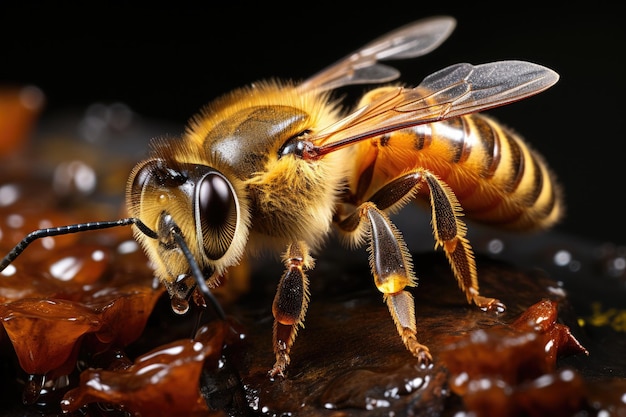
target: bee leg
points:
(290, 303)
(391, 267)
(449, 231)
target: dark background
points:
(166, 62)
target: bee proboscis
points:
(277, 164)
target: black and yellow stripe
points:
(496, 176)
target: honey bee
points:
(275, 165)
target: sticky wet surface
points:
(84, 331)
(512, 369)
(163, 381)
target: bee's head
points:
(194, 202)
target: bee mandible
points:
(277, 164)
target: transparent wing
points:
(453, 91)
(362, 67)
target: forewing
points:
(453, 91)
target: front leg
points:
(290, 303)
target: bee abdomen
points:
(496, 176)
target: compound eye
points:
(142, 177)
(216, 214)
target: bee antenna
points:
(72, 228)
(197, 273)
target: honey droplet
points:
(180, 306)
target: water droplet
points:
(65, 269)
(15, 221)
(9, 270)
(567, 375)
(9, 193)
(562, 258)
(495, 246)
(97, 255)
(128, 246)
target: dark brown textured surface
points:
(349, 359)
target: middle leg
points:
(391, 267)
(449, 229)
(390, 260)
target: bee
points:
(279, 164)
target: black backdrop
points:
(166, 62)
